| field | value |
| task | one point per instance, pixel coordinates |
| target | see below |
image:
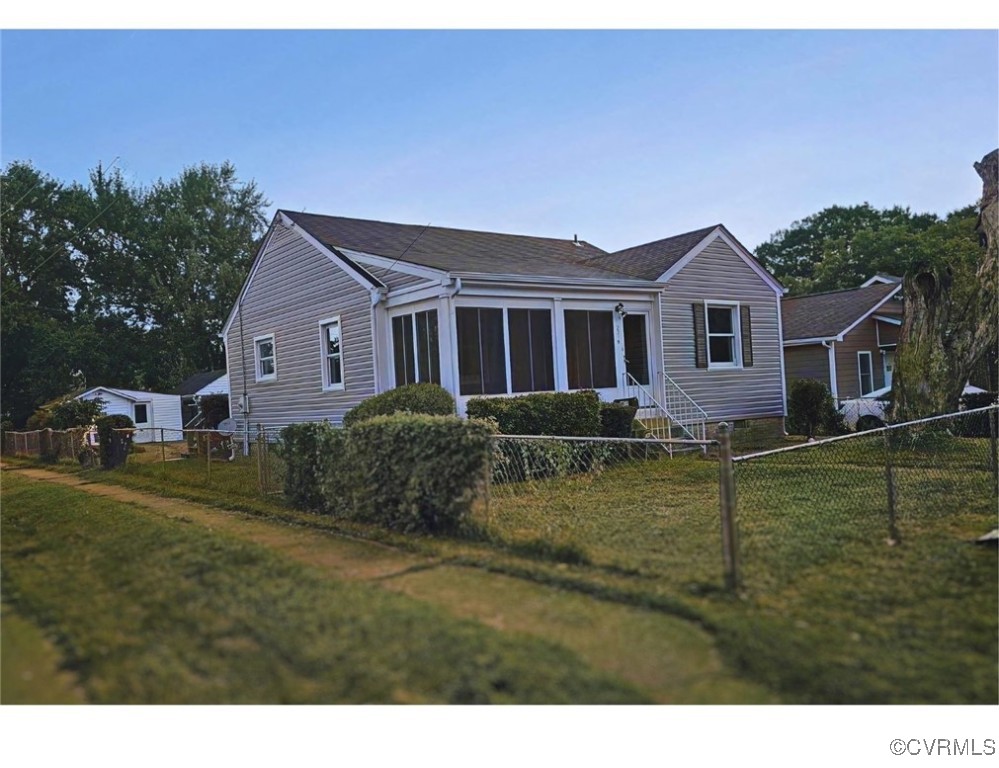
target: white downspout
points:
(833, 385)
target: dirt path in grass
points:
(672, 660)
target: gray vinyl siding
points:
(807, 362)
(295, 286)
(718, 274)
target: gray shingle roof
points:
(458, 250)
(651, 260)
(824, 315)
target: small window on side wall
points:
(332, 354)
(265, 357)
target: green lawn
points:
(148, 610)
(830, 610)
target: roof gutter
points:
(553, 281)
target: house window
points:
(589, 349)
(141, 413)
(530, 332)
(416, 348)
(866, 371)
(265, 357)
(481, 351)
(722, 326)
(636, 348)
(332, 353)
(723, 335)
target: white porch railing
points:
(666, 407)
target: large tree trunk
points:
(941, 341)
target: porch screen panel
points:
(636, 348)
(589, 343)
(402, 346)
(531, 368)
(481, 351)
(428, 347)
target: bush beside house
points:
(414, 473)
(427, 398)
(810, 408)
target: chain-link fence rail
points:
(236, 464)
(47, 444)
(626, 505)
(801, 507)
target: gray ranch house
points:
(335, 310)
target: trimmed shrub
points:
(426, 398)
(114, 446)
(414, 472)
(810, 406)
(565, 414)
(300, 450)
(616, 419)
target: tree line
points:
(117, 284)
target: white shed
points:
(151, 411)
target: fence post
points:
(162, 445)
(994, 432)
(208, 454)
(260, 459)
(726, 483)
(893, 534)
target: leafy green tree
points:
(128, 285)
(841, 246)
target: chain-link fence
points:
(803, 506)
(47, 444)
(625, 505)
(238, 464)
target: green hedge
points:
(426, 398)
(406, 472)
(566, 414)
(300, 450)
(416, 472)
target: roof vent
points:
(575, 241)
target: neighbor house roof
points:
(192, 384)
(828, 315)
(459, 250)
(129, 394)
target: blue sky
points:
(619, 137)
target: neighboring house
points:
(150, 411)
(335, 310)
(193, 387)
(845, 339)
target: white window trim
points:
(324, 357)
(256, 357)
(734, 306)
(860, 374)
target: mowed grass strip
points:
(146, 610)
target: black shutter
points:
(700, 338)
(746, 327)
